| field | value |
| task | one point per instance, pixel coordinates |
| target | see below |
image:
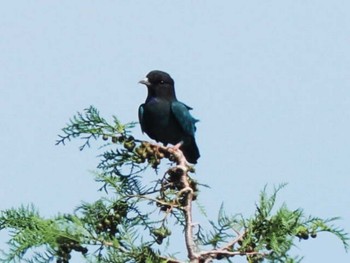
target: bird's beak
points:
(145, 81)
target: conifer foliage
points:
(132, 221)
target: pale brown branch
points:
(187, 193)
(212, 254)
(234, 241)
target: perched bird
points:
(164, 118)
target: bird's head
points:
(159, 84)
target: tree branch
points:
(185, 198)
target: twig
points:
(234, 241)
(225, 253)
(153, 200)
(171, 260)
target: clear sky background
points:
(269, 80)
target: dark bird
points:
(164, 118)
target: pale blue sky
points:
(269, 81)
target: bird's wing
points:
(141, 110)
(183, 116)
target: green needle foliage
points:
(133, 221)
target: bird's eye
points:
(161, 82)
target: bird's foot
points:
(180, 157)
(178, 145)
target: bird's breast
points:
(159, 122)
(157, 112)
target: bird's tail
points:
(190, 150)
